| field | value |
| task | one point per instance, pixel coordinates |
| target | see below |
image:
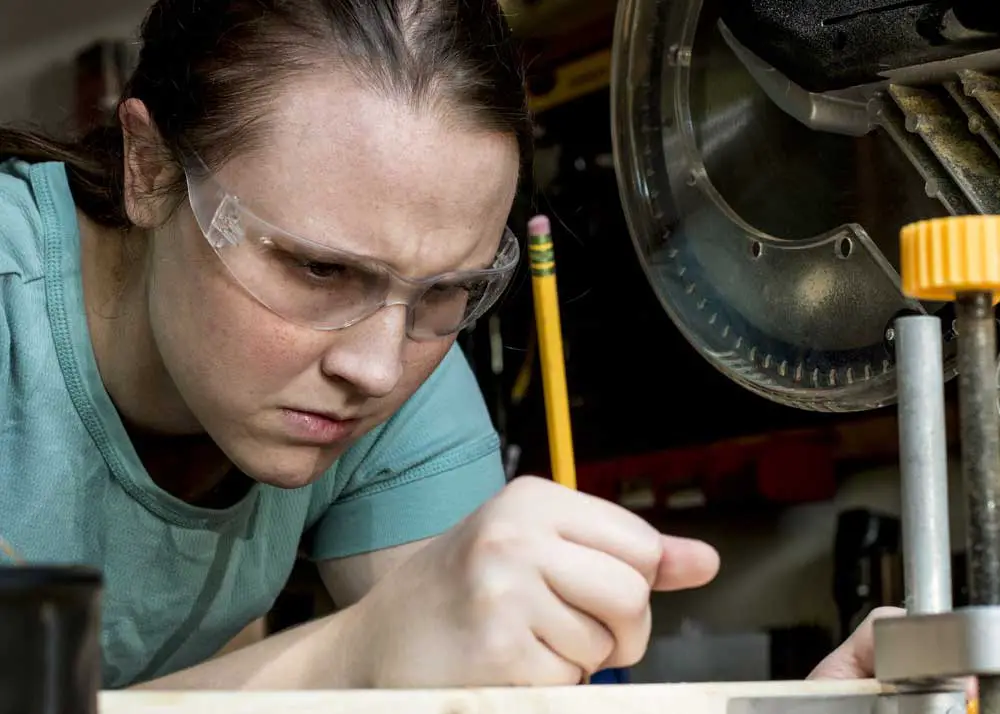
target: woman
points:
(227, 321)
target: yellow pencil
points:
(550, 351)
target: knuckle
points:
(493, 593)
(498, 538)
(527, 486)
(603, 650)
(631, 643)
(645, 548)
(628, 655)
(649, 552)
(633, 603)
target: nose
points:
(369, 355)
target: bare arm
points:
(315, 655)
(349, 579)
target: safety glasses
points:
(312, 284)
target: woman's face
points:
(353, 171)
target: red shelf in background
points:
(777, 470)
(782, 468)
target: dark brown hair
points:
(209, 69)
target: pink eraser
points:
(539, 226)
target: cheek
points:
(420, 359)
(215, 340)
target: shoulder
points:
(447, 413)
(21, 218)
(24, 190)
(452, 385)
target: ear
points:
(147, 170)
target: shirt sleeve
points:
(433, 463)
(20, 228)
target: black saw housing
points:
(825, 45)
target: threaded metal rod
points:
(980, 432)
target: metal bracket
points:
(861, 704)
(960, 643)
(838, 114)
(948, 700)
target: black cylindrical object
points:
(980, 431)
(50, 625)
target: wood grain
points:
(597, 699)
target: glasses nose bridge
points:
(403, 291)
(398, 291)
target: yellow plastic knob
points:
(944, 257)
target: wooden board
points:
(595, 699)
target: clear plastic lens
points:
(772, 246)
(310, 283)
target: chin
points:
(286, 466)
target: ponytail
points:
(93, 167)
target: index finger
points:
(599, 524)
(596, 523)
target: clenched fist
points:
(541, 586)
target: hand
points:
(541, 586)
(855, 658)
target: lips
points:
(320, 427)
(332, 416)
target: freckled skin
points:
(347, 168)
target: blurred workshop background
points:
(802, 506)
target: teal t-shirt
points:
(181, 581)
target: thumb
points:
(684, 564)
(855, 658)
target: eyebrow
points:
(245, 205)
(288, 242)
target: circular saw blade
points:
(772, 246)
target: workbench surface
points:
(715, 698)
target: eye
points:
(444, 290)
(347, 280)
(446, 293)
(323, 271)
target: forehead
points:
(347, 167)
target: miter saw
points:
(770, 155)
